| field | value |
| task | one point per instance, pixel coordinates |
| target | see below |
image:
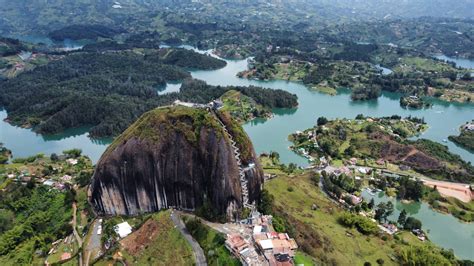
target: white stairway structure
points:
(212, 107)
(243, 180)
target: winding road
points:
(93, 246)
(74, 227)
(198, 252)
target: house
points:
(404, 167)
(65, 256)
(71, 161)
(391, 228)
(66, 178)
(49, 183)
(419, 234)
(24, 178)
(363, 170)
(276, 247)
(353, 161)
(469, 127)
(217, 104)
(269, 48)
(59, 186)
(355, 200)
(123, 229)
(236, 244)
(257, 229)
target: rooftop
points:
(123, 229)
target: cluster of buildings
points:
(24, 177)
(258, 244)
(278, 248)
(215, 104)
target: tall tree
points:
(402, 217)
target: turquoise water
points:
(385, 71)
(271, 135)
(460, 62)
(442, 229)
(66, 44)
(443, 118)
(24, 142)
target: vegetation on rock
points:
(465, 138)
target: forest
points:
(198, 91)
(81, 32)
(109, 91)
(31, 217)
(10, 46)
(149, 40)
(186, 59)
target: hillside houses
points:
(259, 244)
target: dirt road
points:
(456, 190)
(74, 227)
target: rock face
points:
(176, 157)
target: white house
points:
(123, 229)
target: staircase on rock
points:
(242, 170)
(243, 181)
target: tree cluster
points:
(83, 32)
(362, 224)
(108, 91)
(410, 189)
(32, 217)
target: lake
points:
(24, 142)
(460, 62)
(443, 118)
(66, 44)
(267, 135)
(443, 229)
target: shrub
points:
(363, 224)
(412, 223)
(322, 121)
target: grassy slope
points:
(240, 106)
(330, 242)
(166, 247)
(212, 242)
(408, 64)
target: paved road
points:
(198, 252)
(92, 248)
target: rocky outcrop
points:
(175, 157)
